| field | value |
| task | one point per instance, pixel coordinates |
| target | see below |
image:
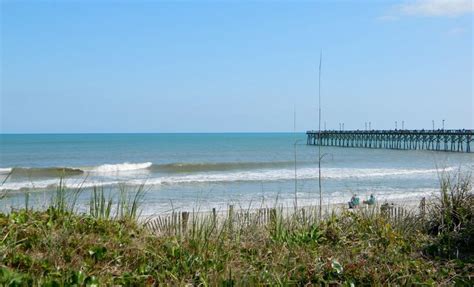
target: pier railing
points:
(437, 140)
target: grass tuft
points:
(451, 217)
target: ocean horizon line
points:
(156, 133)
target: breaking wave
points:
(309, 173)
(42, 172)
(218, 166)
(113, 168)
(5, 170)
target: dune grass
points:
(110, 246)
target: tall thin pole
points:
(296, 141)
(319, 135)
(296, 181)
(294, 120)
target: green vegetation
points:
(451, 218)
(109, 246)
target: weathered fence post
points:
(386, 210)
(184, 221)
(423, 207)
(230, 217)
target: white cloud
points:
(436, 8)
(429, 8)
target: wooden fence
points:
(180, 222)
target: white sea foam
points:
(241, 176)
(53, 183)
(114, 168)
(5, 170)
(39, 184)
(288, 174)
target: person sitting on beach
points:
(354, 201)
(370, 201)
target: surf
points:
(267, 175)
(114, 168)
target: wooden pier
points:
(436, 140)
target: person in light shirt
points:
(371, 200)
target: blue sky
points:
(83, 66)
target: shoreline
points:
(410, 202)
(180, 218)
(41, 199)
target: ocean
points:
(204, 171)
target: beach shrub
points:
(451, 217)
